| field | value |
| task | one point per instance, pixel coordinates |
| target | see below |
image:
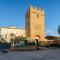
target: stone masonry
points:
(34, 23)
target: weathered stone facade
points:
(5, 32)
(34, 24)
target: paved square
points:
(43, 54)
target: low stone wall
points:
(23, 48)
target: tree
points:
(17, 39)
(59, 29)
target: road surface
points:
(43, 54)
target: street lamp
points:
(5, 34)
(12, 40)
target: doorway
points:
(37, 42)
(37, 38)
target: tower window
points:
(37, 15)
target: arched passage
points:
(37, 38)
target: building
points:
(6, 32)
(34, 23)
(53, 39)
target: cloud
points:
(49, 32)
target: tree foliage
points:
(20, 38)
(59, 29)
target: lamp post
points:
(5, 34)
(12, 38)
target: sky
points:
(12, 13)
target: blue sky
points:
(12, 13)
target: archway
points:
(37, 38)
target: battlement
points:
(41, 10)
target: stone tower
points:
(34, 24)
